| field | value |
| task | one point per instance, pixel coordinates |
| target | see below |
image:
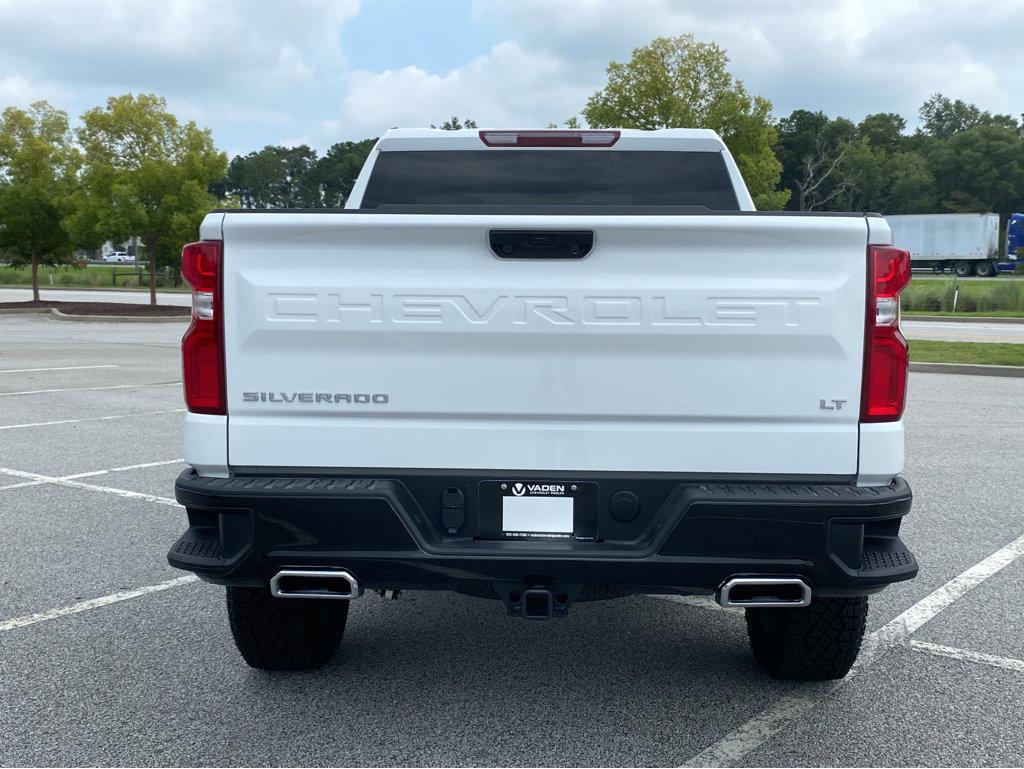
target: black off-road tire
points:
(285, 633)
(817, 643)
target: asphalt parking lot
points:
(108, 656)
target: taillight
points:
(549, 138)
(202, 347)
(885, 349)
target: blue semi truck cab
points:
(1014, 242)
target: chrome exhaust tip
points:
(335, 584)
(764, 593)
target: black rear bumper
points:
(688, 537)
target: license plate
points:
(528, 509)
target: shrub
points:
(932, 301)
(1002, 295)
(923, 298)
(966, 304)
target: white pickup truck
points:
(546, 367)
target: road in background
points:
(953, 331)
(181, 299)
(1017, 274)
(110, 658)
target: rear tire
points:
(285, 633)
(984, 269)
(816, 643)
(963, 269)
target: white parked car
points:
(118, 256)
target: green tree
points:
(337, 170)
(253, 178)
(679, 82)
(815, 155)
(880, 165)
(38, 162)
(911, 186)
(942, 117)
(454, 124)
(571, 123)
(275, 177)
(832, 164)
(979, 169)
(883, 130)
(146, 174)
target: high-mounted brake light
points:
(549, 138)
(202, 347)
(885, 349)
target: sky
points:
(289, 72)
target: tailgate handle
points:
(541, 244)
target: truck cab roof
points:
(668, 139)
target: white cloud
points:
(852, 57)
(264, 71)
(20, 91)
(508, 87)
(251, 70)
(177, 44)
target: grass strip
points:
(988, 353)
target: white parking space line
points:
(55, 368)
(95, 603)
(899, 629)
(84, 389)
(90, 419)
(966, 655)
(734, 746)
(697, 601)
(93, 473)
(67, 481)
(21, 485)
(119, 492)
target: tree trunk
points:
(35, 273)
(150, 242)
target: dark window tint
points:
(551, 177)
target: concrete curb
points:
(111, 289)
(971, 369)
(959, 319)
(119, 318)
(21, 310)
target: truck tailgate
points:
(683, 344)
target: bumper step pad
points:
(199, 545)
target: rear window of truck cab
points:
(551, 177)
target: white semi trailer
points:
(967, 244)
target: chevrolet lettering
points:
(352, 310)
